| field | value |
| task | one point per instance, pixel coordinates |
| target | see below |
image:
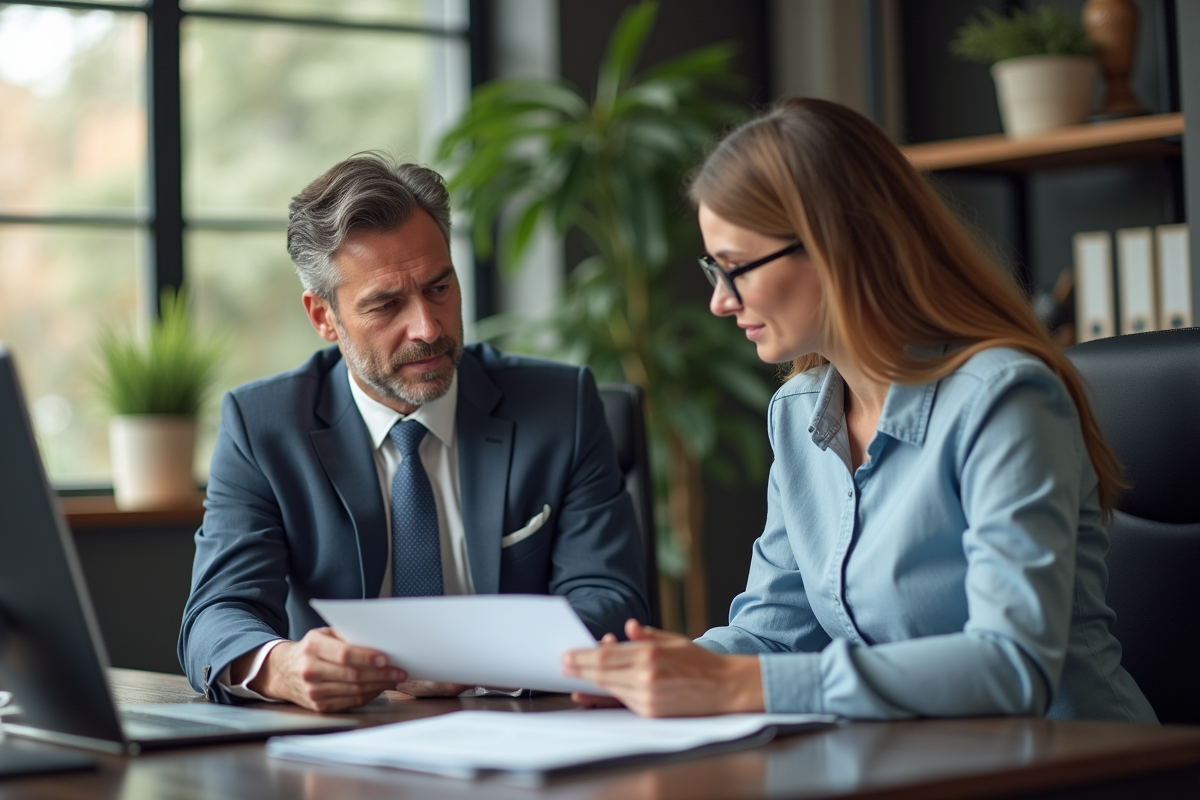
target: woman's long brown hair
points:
(897, 267)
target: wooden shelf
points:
(99, 512)
(1097, 142)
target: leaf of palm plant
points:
(520, 234)
(709, 63)
(567, 196)
(624, 48)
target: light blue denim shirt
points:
(959, 571)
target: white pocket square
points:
(531, 527)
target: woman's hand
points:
(596, 700)
(660, 674)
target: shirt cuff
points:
(243, 689)
(792, 683)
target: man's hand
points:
(660, 674)
(323, 673)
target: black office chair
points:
(1145, 391)
(627, 424)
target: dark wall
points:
(945, 98)
(734, 515)
(139, 579)
(682, 25)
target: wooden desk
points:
(927, 760)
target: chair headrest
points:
(621, 402)
(1145, 392)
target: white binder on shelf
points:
(1174, 277)
(1137, 280)
(1094, 315)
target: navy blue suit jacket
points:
(294, 510)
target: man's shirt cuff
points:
(243, 689)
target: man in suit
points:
(396, 463)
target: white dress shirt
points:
(439, 456)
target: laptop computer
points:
(52, 658)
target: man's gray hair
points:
(366, 192)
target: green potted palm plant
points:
(155, 387)
(610, 170)
(1042, 62)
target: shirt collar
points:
(828, 416)
(906, 409)
(437, 416)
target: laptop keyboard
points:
(138, 724)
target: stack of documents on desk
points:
(466, 744)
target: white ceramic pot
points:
(152, 460)
(1037, 93)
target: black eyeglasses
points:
(715, 274)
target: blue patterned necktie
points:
(416, 546)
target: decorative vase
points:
(152, 460)
(1037, 93)
(1112, 25)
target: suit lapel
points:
(484, 452)
(346, 453)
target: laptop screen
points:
(51, 655)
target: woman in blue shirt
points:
(935, 535)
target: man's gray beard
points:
(386, 380)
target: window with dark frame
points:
(153, 145)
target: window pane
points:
(267, 108)
(449, 14)
(244, 285)
(73, 132)
(61, 284)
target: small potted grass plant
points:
(1042, 62)
(156, 387)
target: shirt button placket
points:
(847, 538)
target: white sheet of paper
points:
(465, 743)
(481, 640)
